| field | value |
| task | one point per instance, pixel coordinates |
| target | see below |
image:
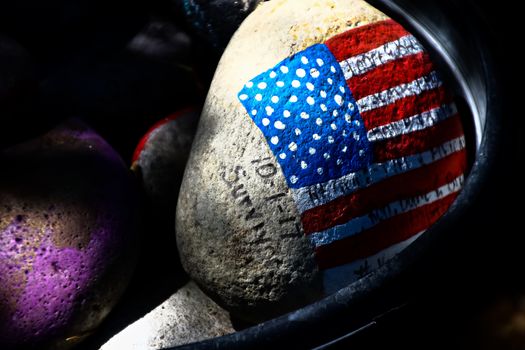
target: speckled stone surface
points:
(187, 316)
(291, 191)
(67, 236)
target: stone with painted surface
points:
(327, 144)
(16, 72)
(187, 316)
(160, 158)
(67, 237)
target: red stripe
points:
(365, 38)
(383, 235)
(400, 71)
(418, 141)
(145, 138)
(411, 184)
(405, 107)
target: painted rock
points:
(160, 159)
(327, 144)
(185, 317)
(67, 237)
(216, 20)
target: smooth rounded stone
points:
(187, 316)
(68, 217)
(160, 158)
(216, 20)
(327, 144)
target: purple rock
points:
(67, 237)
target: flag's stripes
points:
(338, 277)
(418, 141)
(391, 51)
(405, 107)
(407, 115)
(399, 72)
(345, 208)
(405, 161)
(367, 221)
(382, 235)
(318, 194)
(414, 123)
(364, 38)
(391, 95)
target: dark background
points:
(469, 293)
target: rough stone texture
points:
(160, 159)
(187, 316)
(238, 230)
(67, 237)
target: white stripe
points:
(388, 96)
(318, 194)
(359, 64)
(365, 222)
(341, 276)
(413, 123)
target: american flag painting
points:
(371, 145)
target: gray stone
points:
(161, 157)
(238, 229)
(187, 316)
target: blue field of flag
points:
(310, 120)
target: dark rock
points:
(216, 20)
(160, 158)
(289, 194)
